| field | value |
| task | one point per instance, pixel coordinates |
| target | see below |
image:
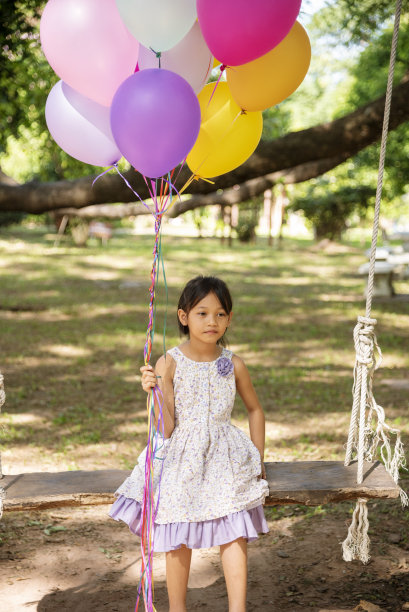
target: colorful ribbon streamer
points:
(162, 201)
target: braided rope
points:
(385, 127)
(2, 400)
(362, 438)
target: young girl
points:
(213, 480)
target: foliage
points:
(352, 22)
(25, 75)
(248, 220)
(276, 122)
(329, 211)
(27, 150)
(199, 217)
(10, 218)
(374, 63)
(366, 80)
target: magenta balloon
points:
(80, 126)
(155, 120)
(239, 31)
(88, 46)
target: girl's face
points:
(207, 321)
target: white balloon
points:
(159, 24)
(190, 58)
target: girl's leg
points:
(234, 561)
(177, 575)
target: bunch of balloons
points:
(134, 76)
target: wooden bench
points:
(383, 278)
(100, 230)
(309, 483)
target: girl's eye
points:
(221, 314)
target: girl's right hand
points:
(149, 378)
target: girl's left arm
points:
(255, 411)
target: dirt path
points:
(79, 560)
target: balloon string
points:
(115, 165)
(158, 55)
(222, 69)
(155, 397)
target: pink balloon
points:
(155, 120)
(80, 126)
(88, 46)
(190, 58)
(239, 31)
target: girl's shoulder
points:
(239, 365)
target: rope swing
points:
(364, 437)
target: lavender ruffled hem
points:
(204, 534)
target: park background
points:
(73, 313)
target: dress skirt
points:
(202, 534)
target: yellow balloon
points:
(273, 77)
(227, 136)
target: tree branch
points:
(234, 195)
(340, 139)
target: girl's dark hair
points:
(197, 289)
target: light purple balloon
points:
(80, 126)
(155, 120)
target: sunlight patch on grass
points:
(23, 418)
(66, 350)
(73, 343)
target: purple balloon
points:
(155, 120)
(80, 126)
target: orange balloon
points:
(273, 77)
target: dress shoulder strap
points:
(227, 353)
(175, 353)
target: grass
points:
(73, 334)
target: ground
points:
(73, 324)
(80, 560)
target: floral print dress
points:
(210, 493)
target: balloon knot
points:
(243, 112)
(158, 54)
(223, 67)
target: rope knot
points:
(364, 340)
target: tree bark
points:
(336, 140)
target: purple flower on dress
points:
(224, 366)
